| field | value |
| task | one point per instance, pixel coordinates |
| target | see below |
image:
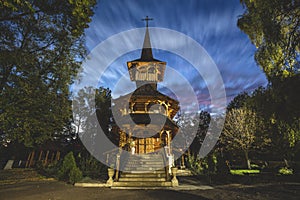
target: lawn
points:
(244, 171)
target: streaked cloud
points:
(212, 23)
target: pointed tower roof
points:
(146, 54)
(147, 50)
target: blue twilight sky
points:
(212, 23)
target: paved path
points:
(28, 185)
(55, 190)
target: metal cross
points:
(147, 19)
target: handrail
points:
(112, 150)
(120, 157)
(179, 154)
(118, 166)
(166, 163)
(109, 152)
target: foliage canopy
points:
(41, 50)
(273, 27)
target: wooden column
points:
(52, 157)
(41, 154)
(46, 158)
(57, 157)
(28, 160)
(169, 141)
(31, 159)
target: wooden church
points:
(141, 132)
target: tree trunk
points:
(247, 160)
(222, 167)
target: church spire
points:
(147, 50)
(146, 69)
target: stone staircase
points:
(144, 170)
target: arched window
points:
(152, 74)
(165, 108)
(151, 70)
(141, 74)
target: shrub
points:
(285, 171)
(75, 175)
(90, 166)
(194, 164)
(255, 166)
(50, 170)
(69, 170)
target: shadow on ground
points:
(28, 185)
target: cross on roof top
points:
(147, 19)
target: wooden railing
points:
(166, 164)
(121, 156)
(116, 156)
(111, 155)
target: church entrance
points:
(147, 145)
(144, 145)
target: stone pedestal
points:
(174, 179)
(9, 164)
(111, 173)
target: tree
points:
(278, 106)
(83, 110)
(192, 137)
(239, 131)
(204, 120)
(103, 109)
(41, 50)
(273, 27)
(239, 101)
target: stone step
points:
(156, 167)
(145, 171)
(146, 165)
(145, 156)
(145, 160)
(142, 179)
(142, 184)
(146, 175)
(144, 168)
(142, 161)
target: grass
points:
(13, 176)
(244, 171)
